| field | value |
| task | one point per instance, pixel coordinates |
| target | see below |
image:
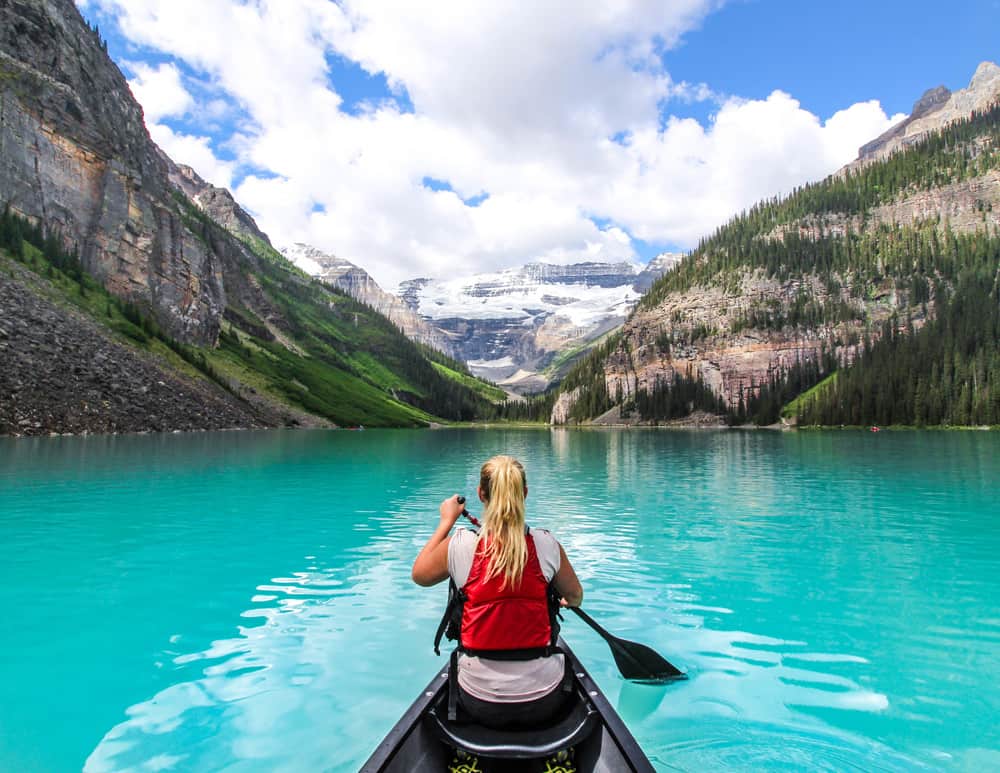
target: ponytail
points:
(502, 481)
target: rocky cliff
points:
(937, 107)
(179, 267)
(62, 372)
(217, 203)
(75, 155)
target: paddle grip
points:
(467, 514)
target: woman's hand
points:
(451, 510)
(431, 565)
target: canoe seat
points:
(574, 726)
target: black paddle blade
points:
(635, 661)
(640, 663)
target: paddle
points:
(635, 661)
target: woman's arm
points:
(431, 565)
(567, 583)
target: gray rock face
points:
(563, 405)
(936, 108)
(932, 100)
(75, 155)
(217, 203)
(409, 292)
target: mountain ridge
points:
(508, 325)
(358, 283)
(935, 109)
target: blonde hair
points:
(503, 482)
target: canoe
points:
(424, 740)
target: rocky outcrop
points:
(563, 405)
(61, 372)
(409, 292)
(963, 207)
(358, 283)
(931, 101)
(938, 107)
(697, 334)
(217, 203)
(75, 155)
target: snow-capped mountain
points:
(521, 326)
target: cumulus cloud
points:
(160, 91)
(196, 152)
(551, 117)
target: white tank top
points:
(505, 681)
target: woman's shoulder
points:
(545, 540)
(547, 549)
(463, 542)
(543, 534)
(462, 536)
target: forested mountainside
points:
(877, 286)
(163, 268)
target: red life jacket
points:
(515, 617)
(513, 623)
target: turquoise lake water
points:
(242, 601)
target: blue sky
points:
(833, 54)
(412, 139)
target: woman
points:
(507, 674)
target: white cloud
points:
(678, 184)
(160, 91)
(196, 152)
(517, 104)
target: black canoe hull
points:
(415, 743)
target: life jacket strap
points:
(453, 687)
(525, 653)
(452, 612)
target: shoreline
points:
(485, 425)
